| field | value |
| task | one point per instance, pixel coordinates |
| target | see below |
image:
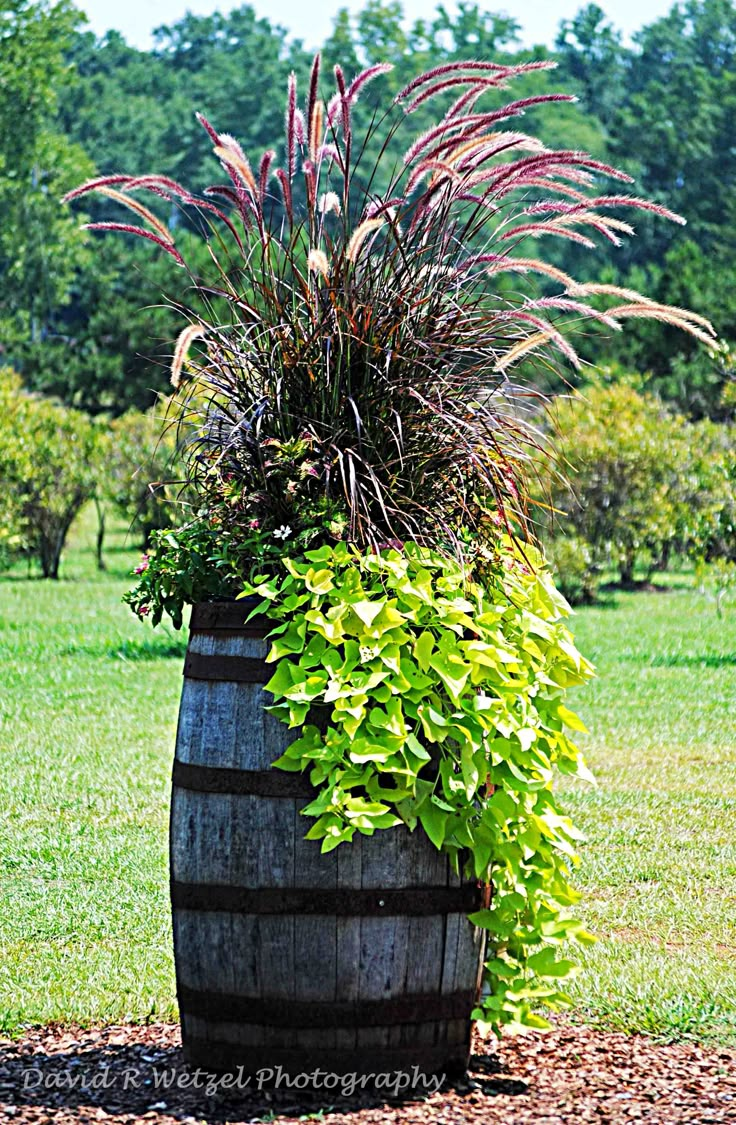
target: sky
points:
(311, 20)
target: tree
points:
(594, 58)
(641, 479)
(227, 67)
(119, 106)
(109, 349)
(40, 245)
(678, 123)
(49, 465)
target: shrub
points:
(49, 465)
(716, 580)
(11, 524)
(143, 473)
(642, 479)
(712, 522)
(576, 574)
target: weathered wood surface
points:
(230, 962)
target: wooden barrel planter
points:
(358, 961)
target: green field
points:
(88, 713)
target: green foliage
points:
(11, 524)
(143, 474)
(108, 350)
(576, 575)
(49, 466)
(40, 246)
(668, 107)
(643, 481)
(678, 123)
(711, 522)
(716, 580)
(426, 698)
(191, 564)
(591, 53)
(206, 558)
(703, 384)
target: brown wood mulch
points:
(571, 1075)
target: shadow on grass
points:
(160, 647)
(123, 572)
(605, 599)
(680, 659)
(139, 1079)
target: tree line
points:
(633, 485)
(85, 322)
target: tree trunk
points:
(661, 564)
(51, 542)
(49, 553)
(101, 565)
(626, 566)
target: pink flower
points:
(144, 610)
(143, 565)
(254, 524)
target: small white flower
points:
(282, 532)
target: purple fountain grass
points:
(363, 323)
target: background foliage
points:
(664, 107)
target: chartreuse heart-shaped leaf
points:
(432, 700)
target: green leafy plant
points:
(716, 580)
(424, 697)
(144, 476)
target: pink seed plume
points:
(126, 228)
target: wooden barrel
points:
(358, 961)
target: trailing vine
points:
(428, 698)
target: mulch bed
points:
(570, 1075)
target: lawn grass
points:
(88, 701)
(659, 868)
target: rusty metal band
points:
(343, 902)
(264, 1062)
(228, 617)
(231, 669)
(257, 1011)
(258, 783)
